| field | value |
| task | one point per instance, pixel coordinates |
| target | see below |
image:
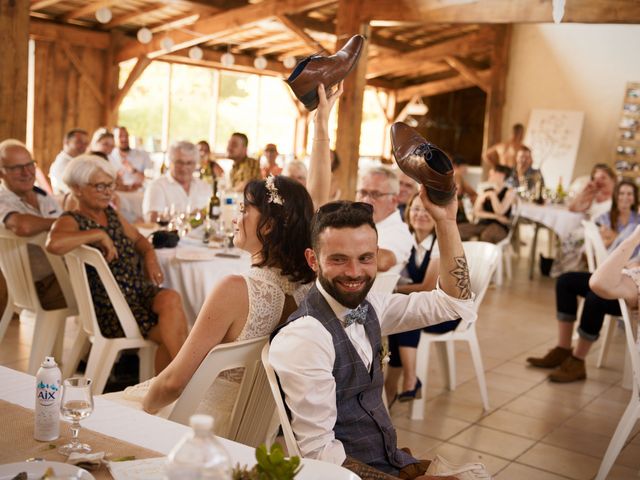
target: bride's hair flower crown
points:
(273, 195)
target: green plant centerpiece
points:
(272, 465)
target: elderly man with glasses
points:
(178, 188)
(379, 187)
(26, 210)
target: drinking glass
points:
(163, 218)
(77, 404)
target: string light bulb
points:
(289, 61)
(196, 53)
(104, 15)
(260, 62)
(144, 35)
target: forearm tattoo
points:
(461, 274)
(364, 471)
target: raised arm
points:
(583, 199)
(319, 177)
(609, 282)
(221, 319)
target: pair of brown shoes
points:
(567, 368)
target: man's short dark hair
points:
(518, 128)
(71, 133)
(242, 137)
(506, 171)
(524, 148)
(605, 168)
(340, 214)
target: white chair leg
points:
(507, 261)
(627, 422)
(147, 361)
(446, 356)
(497, 277)
(608, 328)
(45, 335)
(101, 373)
(477, 365)
(422, 370)
(7, 315)
(79, 348)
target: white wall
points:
(573, 67)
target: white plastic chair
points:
(385, 282)
(596, 253)
(104, 351)
(483, 259)
(287, 431)
(506, 249)
(48, 330)
(632, 412)
(253, 415)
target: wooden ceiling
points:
(416, 46)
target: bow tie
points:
(358, 314)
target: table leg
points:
(532, 255)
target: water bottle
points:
(199, 455)
(48, 395)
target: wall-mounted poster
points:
(553, 137)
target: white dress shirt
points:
(165, 191)
(138, 160)
(394, 235)
(56, 170)
(303, 356)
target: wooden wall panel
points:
(63, 98)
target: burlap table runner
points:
(17, 443)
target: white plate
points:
(35, 470)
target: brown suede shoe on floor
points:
(571, 370)
(552, 359)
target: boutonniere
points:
(385, 356)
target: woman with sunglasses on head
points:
(131, 259)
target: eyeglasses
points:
(344, 205)
(20, 168)
(101, 187)
(372, 194)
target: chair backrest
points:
(482, 258)
(287, 431)
(385, 282)
(594, 246)
(633, 346)
(77, 260)
(16, 267)
(254, 408)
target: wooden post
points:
(497, 90)
(14, 52)
(348, 23)
(111, 80)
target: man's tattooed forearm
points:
(461, 274)
(364, 471)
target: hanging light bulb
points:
(289, 62)
(227, 59)
(196, 53)
(144, 35)
(104, 15)
(260, 62)
(167, 43)
(558, 10)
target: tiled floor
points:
(535, 430)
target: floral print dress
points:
(129, 274)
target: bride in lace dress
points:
(274, 228)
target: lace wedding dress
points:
(267, 290)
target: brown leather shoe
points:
(552, 359)
(316, 69)
(571, 370)
(424, 162)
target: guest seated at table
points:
(102, 145)
(297, 171)
(131, 259)
(271, 167)
(178, 187)
(274, 228)
(208, 165)
(75, 143)
(26, 210)
(569, 364)
(464, 191)
(244, 167)
(595, 198)
(407, 189)
(524, 175)
(492, 208)
(131, 162)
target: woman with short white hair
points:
(130, 256)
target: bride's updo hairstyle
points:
(285, 210)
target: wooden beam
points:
(501, 11)
(14, 52)
(85, 74)
(301, 34)
(438, 86)
(467, 72)
(262, 41)
(140, 66)
(350, 103)
(52, 32)
(111, 79)
(40, 4)
(131, 16)
(206, 28)
(178, 22)
(88, 9)
(464, 45)
(242, 63)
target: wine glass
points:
(163, 218)
(77, 404)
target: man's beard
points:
(348, 299)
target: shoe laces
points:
(424, 150)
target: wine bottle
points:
(214, 203)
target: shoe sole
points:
(559, 380)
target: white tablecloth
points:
(556, 217)
(131, 205)
(148, 431)
(192, 269)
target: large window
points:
(191, 103)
